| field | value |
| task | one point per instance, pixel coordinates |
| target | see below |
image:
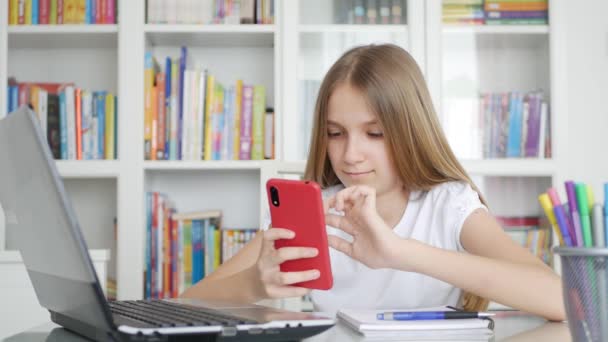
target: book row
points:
(495, 12)
(57, 12)
(77, 123)
(229, 12)
(183, 248)
(371, 12)
(190, 115)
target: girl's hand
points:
(272, 282)
(374, 242)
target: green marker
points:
(583, 207)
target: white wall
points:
(588, 93)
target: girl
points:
(407, 226)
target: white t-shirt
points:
(434, 217)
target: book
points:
(364, 322)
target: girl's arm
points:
(254, 273)
(226, 283)
(496, 268)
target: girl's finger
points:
(288, 278)
(340, 244)
(273, 234)
(293, 253)
(339, 222)
(288, 291)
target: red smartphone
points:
(298, 206)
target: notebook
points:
(364, 322)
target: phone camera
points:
(274, 196)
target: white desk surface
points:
(510, 326)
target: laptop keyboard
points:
(166, 314)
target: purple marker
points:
(575, 218)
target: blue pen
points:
(428, 315)
(562, 222)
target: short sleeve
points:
(462, 201)
(266, 221)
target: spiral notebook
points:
(365, 323)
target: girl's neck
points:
(391, 206)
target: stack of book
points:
(183, 248)
(57, 12)
(189, 115)
(495, 12)
(370, 12)
(518, 12)
(532, 233)
(231, 12)
(467, 12)
(78, 123)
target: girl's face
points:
(356, 144)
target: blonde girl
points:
(407, 227)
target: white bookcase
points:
(298, 48)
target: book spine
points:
(97, 12)
(110, 128)
(259, 110)
(148, 255)
(180, 257)
(13, 10)
(174, 109)
(208, 117)
(88, 15)
(71, 119)
(188, 243)
(174, 258)
(35, 12)
(148, 85)
(78, 105)
(160, 131)
(60, 7)
(63, 121)
(197, 256)
(246, 122)
(236, 129)
(53, 127)
(44, 12)
(110, 12)
(167, 105)
(269, 135)
(202, 91)
(89, 111)
(53, 12)
(180, 113)
(101, 120)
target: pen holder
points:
(585, 291)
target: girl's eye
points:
(376, 134)
(333, 134)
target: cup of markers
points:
(581, 225)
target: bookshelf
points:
(298, 48)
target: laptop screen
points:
(40, 220)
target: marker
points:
(581, 196)
(429, 315)
(575, 219)
(545, 203)
(590, 197)
(598, 225)
(605, 214)
(562, 219)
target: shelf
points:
(211, 35)
(172, 165)
(63, 36)
(14, 256)
(353, 29)
(515, 167)
(88, 168)
(497, 29)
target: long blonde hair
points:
(397, 93)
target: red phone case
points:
(300, 209)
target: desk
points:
(510, 326)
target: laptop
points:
(40, 217)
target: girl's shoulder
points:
(452, 189)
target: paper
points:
(365, 322)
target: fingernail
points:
(316, 273)
(292, 234)
(313, 252)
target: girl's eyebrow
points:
(366, 123)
